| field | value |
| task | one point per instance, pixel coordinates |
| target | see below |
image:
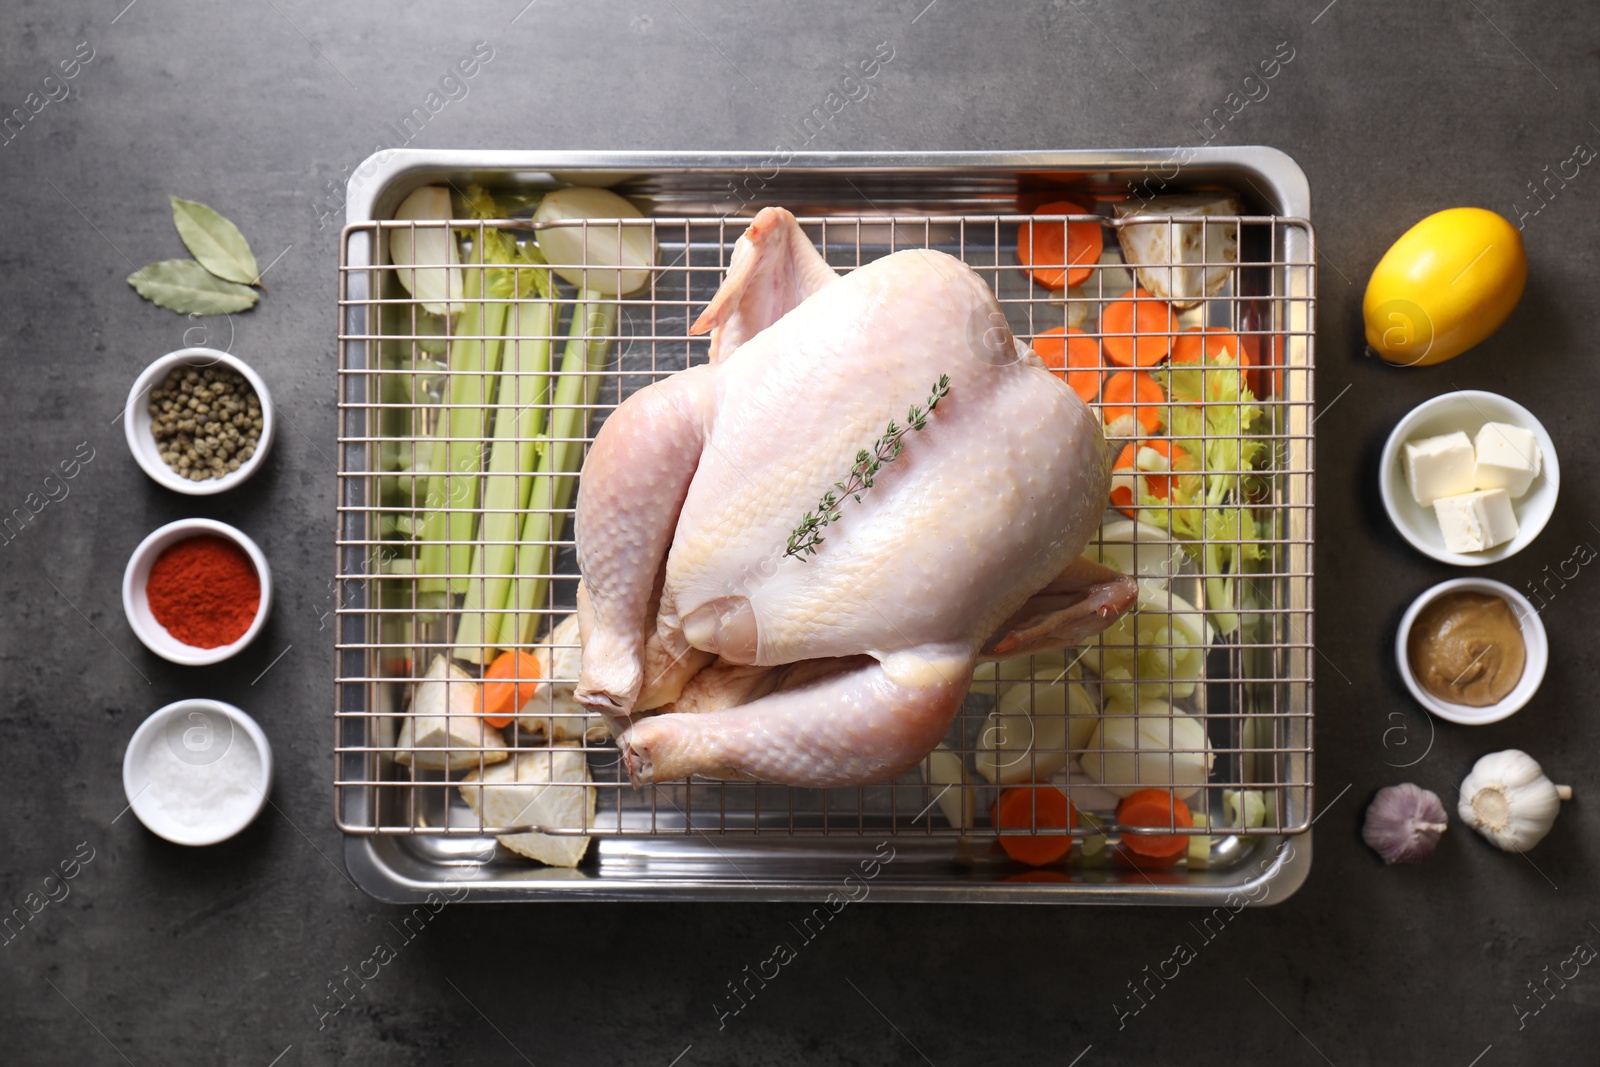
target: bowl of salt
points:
(197, 772)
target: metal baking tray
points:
(409, 833)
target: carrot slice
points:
(1059, 254)
(507, 685)
(1218, 346)
(1132, 401)
(1036, 808)
(1154, 807)
(1073, 355)
(1137, 330)
(1156, 484)
(1215, 343)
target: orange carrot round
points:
(1137, 330)
(1035, 808)
(1217, 344)
(1135, 398)
(1059, 254)
(1154, 807)
(1156, 484)
(1073, 355)
(507, 685)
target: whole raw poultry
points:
(710, 650)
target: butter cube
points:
(1475, 521)
(1508, 458)
(1439, 466)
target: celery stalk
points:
(588, 348)
(465, 357)
(518, 423)
(457, 458)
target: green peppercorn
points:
(206, 421)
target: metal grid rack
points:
(1252, 697)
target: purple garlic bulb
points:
(1404, 823)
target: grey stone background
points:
(166, 955)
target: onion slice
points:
(610, 260)
(420, 246)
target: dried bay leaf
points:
(188, 288)
(215, 242)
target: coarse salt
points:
(224, 791)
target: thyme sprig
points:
(807, 537)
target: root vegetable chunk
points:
(548, 788)
(444, 715)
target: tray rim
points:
(1283, 180)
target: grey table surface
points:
(159, 954)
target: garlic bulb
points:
(1508, 799)
(1404, 823)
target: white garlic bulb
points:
(1508, 800)
(1404, 822)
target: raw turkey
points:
(711, 651)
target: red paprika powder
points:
(205, 591)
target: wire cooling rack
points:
(1250, 695)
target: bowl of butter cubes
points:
(1469, 477)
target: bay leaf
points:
(215, 242)
(189, 289)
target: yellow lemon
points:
(1448, 283)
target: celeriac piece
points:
(1181, 262)
(548, 788)
(444, 715)
(1439, 466)
(1473, 522)
(1507, 458)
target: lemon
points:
(1447, 284)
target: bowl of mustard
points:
(1472, 650)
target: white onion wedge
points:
(1156, 748)
(1139, 549)
(423, 245)
(946, 776)
(618, 258)
(1016, 746)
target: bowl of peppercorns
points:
(199, 421)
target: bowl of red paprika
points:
(196, 591)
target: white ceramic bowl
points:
(136, 421)
(137, 606)
(200, 734)
(1534, 640)
(1465, 410)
